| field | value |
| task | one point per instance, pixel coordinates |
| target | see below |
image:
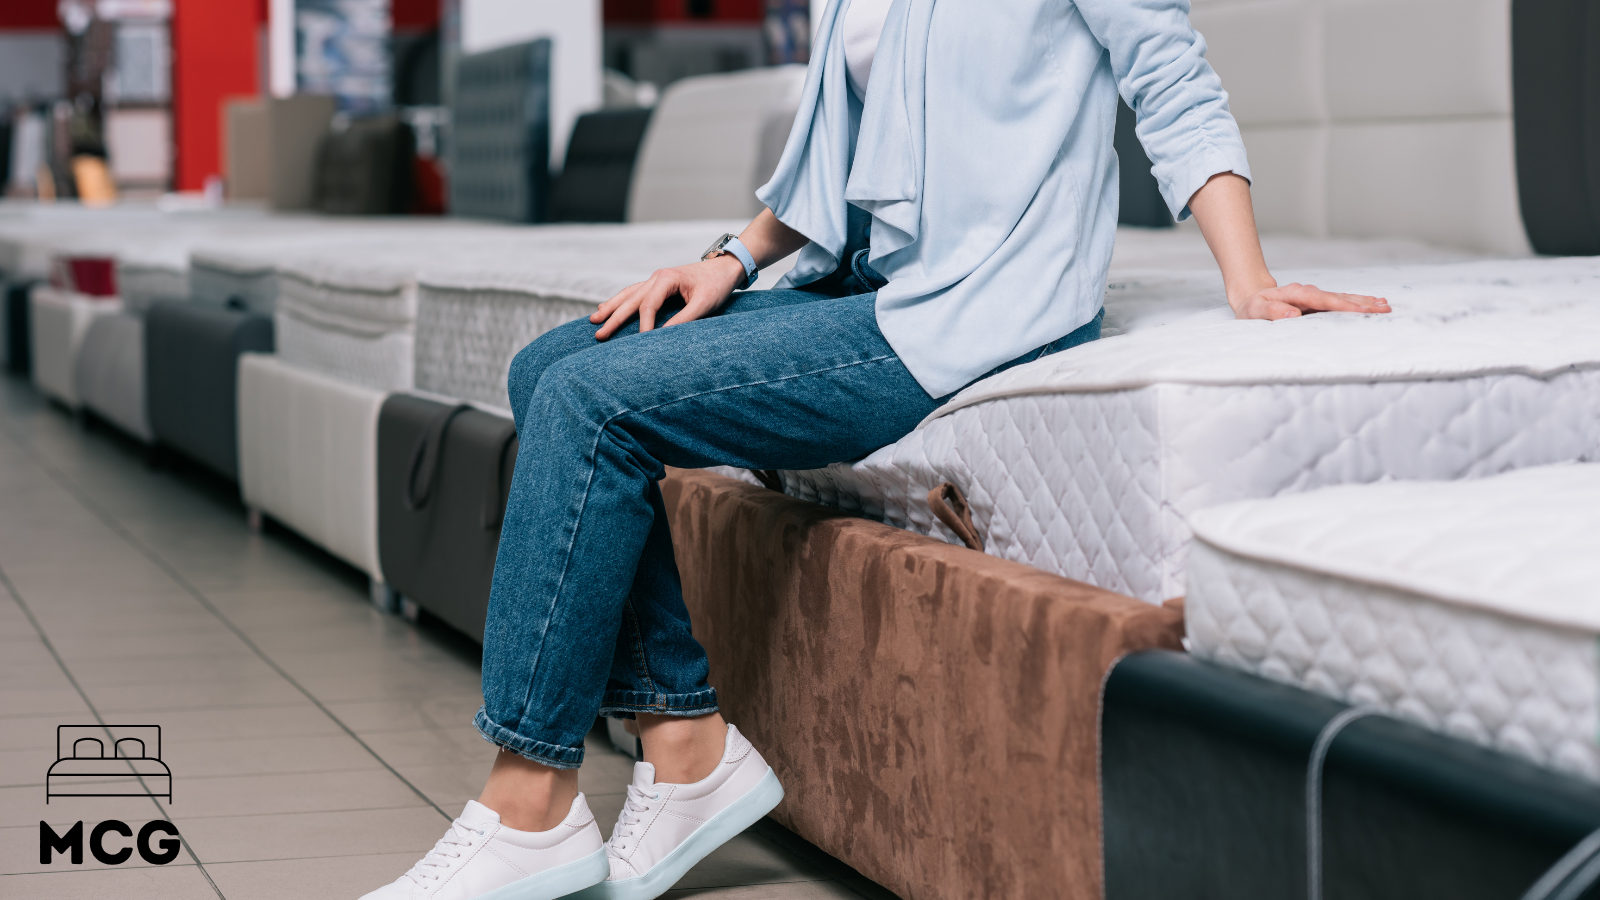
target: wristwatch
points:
(730, 245)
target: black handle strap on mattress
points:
(1574, 876)
(494, 501)
(949, 506)
(423, 473)
(769, 479)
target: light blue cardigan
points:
(983, 153)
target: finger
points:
(605, 309)
(648, 307)
(619, 317)
(1371, 304)
(662, 285)
(1273, 310)
(1311, 298)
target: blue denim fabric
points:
(586, 613)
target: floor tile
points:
(336, 878)
(265, 755)
(174, 882)
(188, 695)
(25, 807)
(406, 713)
(233, 795)
(315, 834)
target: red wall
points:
(677, 11)
(415, 15)
(214, 58)
(18, 14)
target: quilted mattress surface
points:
(241, 270)
(473, 315)
(1086, 463)
(1469, 607)
(350, 310)
(473, 319)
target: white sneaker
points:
(480, 859)
(665, 829)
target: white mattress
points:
(59, 320)
(1086, 463)
(240, 269)
(308, 455)
(110, 373)
(1472, 608)
(474, 314)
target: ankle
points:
(528, 796)
(683, 750)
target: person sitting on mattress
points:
(951, 189)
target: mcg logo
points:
(132, 768)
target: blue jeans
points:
(586, 613)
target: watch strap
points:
(751, 270)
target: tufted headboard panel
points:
(365, 169)
(1556, 66)
(712, 142)
(1374, 118)
(598, 172)
(500, 134)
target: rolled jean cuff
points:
(555, 756)
(625, 704)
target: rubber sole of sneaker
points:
(713, 833)
(558, 882)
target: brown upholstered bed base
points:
(932, 711)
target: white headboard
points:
(1374, 118)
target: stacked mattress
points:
(308, 455)
(59, 320)
(1471, 608)
(109, 372)
(1086, 463)
(474, 314)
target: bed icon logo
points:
(127, 764)
(88, 764)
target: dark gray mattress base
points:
(192, 376)
(19, 346)
(443, 475)
(1238, 787)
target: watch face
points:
(717, 246)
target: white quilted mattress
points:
(472, 319)
(474, 314)
(1086, 463)
(1472, 608)
(351, 310)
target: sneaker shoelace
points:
(634, 810)
(444, 853)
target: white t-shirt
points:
(863, 23)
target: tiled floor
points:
(317, 747)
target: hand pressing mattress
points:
(1469, 607)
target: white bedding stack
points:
(1469, 607)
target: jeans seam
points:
(588, 485)
(640, 659)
